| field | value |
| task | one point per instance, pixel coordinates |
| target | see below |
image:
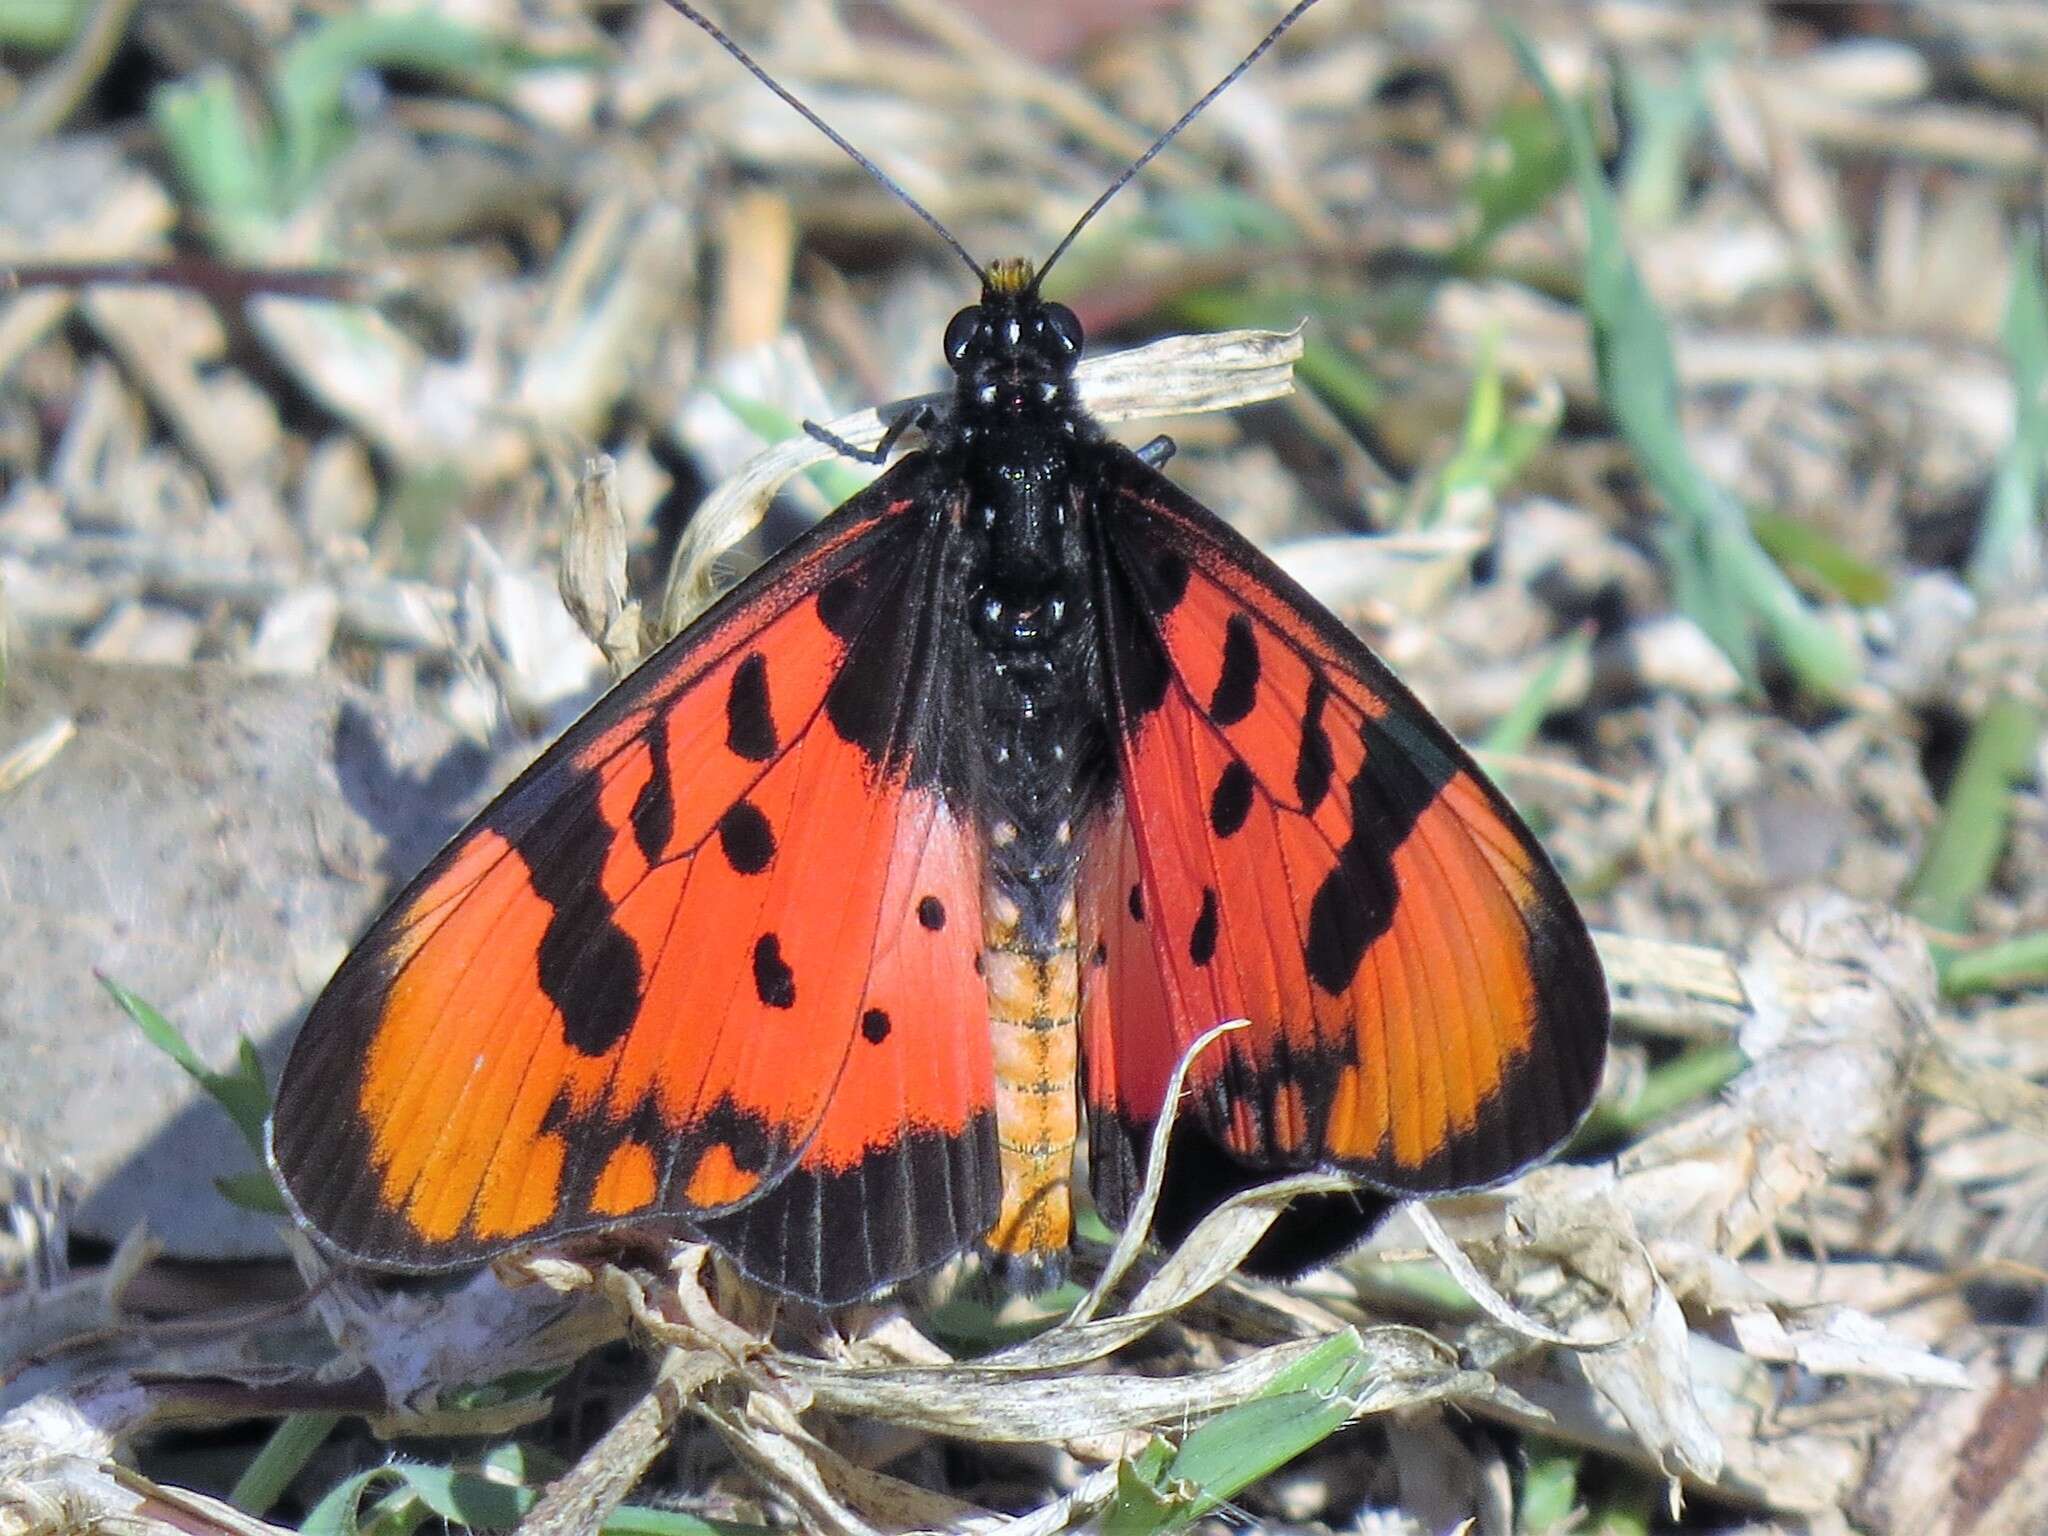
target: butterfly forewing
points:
(628, 992)
(1299, 844)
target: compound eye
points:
(961, 331)
(1065, 327)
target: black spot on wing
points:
(1314, 761)
(887, 657)
(1140, 587)
(1142, 671)
(654, 808)
(755, 1144)
(844, 604)
(1342, 922)
(589, 967)
(746, 838)
(749, 724)
(1237, 687)
(1202, 942)
(861, 703)
(591, 972)
(874, 1026)
(1136, 902)
(931, 914)
(774, 982)
(1168, 583)
(1231, 804)
(1404, 770)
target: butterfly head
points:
(1014, 352)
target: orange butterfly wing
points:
(1301, 845)
(712, 957)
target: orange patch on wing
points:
(438, 1115)
(710, 941)
(485, 873)
(718, 1179)
(1347, 1101)
(466, 1135)
(627, 1182)
(526, 1196)
(1243, 1126)
(1290, 1118)
(1457, 961)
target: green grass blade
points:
(1513, 731)
(1684, 1080)
(640, 1520)
(2009, 966)
(314, 72)
(284, 1455)
(419, 507)
(1550, 1490)
(2009, 541)
(417, 1494)
(1665, 117)
(241, 1091)
(41, 26)
(254, 1192)
(467, 1500)
(1801, 547)
(1722, 578)
(229, 166)
(1494, 446)
(338, 1512)
(1300, 1408)
(1970, 837)
(1522, 165)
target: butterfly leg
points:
(1158, 451)
(922, 418)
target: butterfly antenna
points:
(710, 28)
(1166, 138)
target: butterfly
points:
(836, 929)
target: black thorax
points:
(1017, 444)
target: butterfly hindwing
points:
(902, 1171)
(1299, 844)
(630, 990)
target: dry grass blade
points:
(27, 758)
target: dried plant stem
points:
(577, 1502)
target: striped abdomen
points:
(1033, 1010)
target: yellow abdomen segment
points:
(1034, 1026)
